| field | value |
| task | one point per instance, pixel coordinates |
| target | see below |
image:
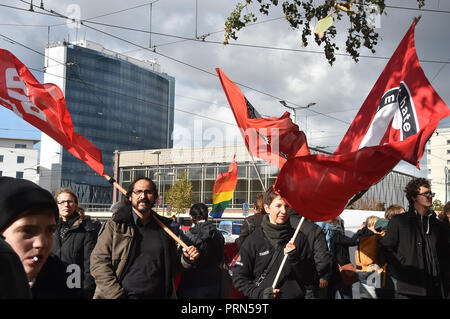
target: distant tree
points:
(180, 195)
(301, 13)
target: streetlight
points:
(294, 117)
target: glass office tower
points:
(116, 102)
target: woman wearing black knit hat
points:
(28, 215)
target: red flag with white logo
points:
(273, 139)
(44, 107)
(394, 123)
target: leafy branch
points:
(301, 14)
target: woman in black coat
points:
(261, 255)
(75, 238)
(203, 280)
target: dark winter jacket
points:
(405, 248)
(249, 225)
(76, 246)
(255, 256)
(52, 282)
(204, 278)
(13, 280)
(320, 255)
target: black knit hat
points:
(18, 195)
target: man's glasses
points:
(146, 192)
(68, 202)
(427, 194)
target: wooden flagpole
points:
(163, 226)
(285, 256)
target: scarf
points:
(278, 235)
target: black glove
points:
(268, 293)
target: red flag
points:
(396, 120)
(273, 139)
(43, 106)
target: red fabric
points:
(272, 139)
(43, 106)
(319, 186)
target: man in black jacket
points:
(416, 246)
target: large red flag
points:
(273, 139)
(396, 120)
(43, 106)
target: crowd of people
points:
(49, 249)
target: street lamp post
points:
(294, 109)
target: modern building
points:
(438, 163)
(19, 158)
(203, 165)
(115, 101)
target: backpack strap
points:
(269, 266)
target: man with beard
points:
(134, 257)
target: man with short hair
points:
(134, 257)
(416, 246)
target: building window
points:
(1, 158)
(448, 152)
(1, 173)
(448, 142)
(20, 159)
(448, 162)
(20, 146)
(19, 174)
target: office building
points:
(438, 163)
(115, 101)
(203, 165)
(19, 158)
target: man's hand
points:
(323, 283)
(191, 252)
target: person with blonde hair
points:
(393, 210)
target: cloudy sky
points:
(267, 60)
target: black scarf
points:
(278, 235)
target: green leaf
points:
(323, 25)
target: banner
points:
(394, 123)
(44, 107)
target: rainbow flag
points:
(223, 189)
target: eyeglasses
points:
(427, 194)
(68, 202)
(146, 192)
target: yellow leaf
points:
(323, 25)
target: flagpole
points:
(166, 229)
(285, 255)
(257, 172)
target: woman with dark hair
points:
(261, 255)
(203, 280)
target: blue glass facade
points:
(116, 105)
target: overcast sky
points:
(277, 69)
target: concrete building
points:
(115, 101)
(438, 163)
(203, 165)
(19, 158)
